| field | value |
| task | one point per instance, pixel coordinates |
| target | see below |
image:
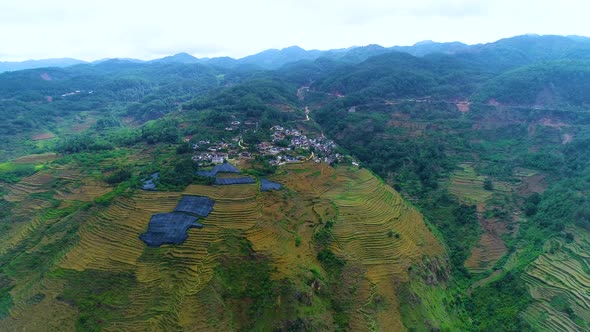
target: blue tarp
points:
(223, 168)
(209, 174)
(149, 184)
(198, 205)
(226, 168)
(266, 185)
(168, 228)
(227, 181)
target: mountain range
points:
(546, 47)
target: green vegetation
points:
(12, 173)
(247, 275)
(5, 298)
(98, 295)
(497, 306)
(118, 176)
(488, 184)
(547, 84)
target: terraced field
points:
(468, 186)
(559, 281)
(173, 287)
(490, 247)
(368, 210)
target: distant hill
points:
(510, 53)
(224, 61)
(428, 47)
(274, 58)
(178, 58)
(30, 64)
(547, 84)
(532, 70)
(504, 54)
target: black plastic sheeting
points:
(149, 183)
(168, 228)
(223, 168)
(226, 168)
(228, 181)
(198, 205)
(266, 185)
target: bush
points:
(488, 184)
(12, 173)
(329, 259)
(118, 176)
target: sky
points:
(148, 29)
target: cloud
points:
(453, 9)
(364, 12)
(145, 29)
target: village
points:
(284, 145)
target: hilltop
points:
(299, 255)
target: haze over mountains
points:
(527, 47)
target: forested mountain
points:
(428, 47)
(274, 58)
(436, 187)
(30, 64)
(503, 54)
(547, 84)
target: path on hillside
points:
(463, 105)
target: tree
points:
(488, 184)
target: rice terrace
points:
(182, 272)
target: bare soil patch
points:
(43, 136)
(566, 138)
(490, 247)
(36, 158)
(532, 184)
(549, 122)
(46, 77)
(463, 106)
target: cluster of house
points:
(212, 147)
(284, 141)
(285, 146)
(207, 157)
(211, 153)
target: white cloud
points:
(148, 29)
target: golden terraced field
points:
(171, 287)
(559, 282)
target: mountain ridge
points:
(275, 58)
